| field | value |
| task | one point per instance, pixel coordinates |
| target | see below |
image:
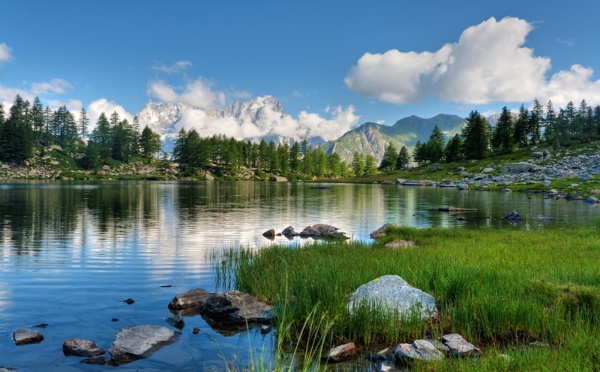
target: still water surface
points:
(70, 253)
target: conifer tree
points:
(390, 156)
(454, 148)
(403, 158)
(476, 137)
(502, 137)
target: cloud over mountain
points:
(488, 63)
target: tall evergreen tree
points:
(370, 164)
(502, 137)
(390, 156)
(476, 137)
(102, 136)
(358, 164)
(521, 131)
(454, 149)
(83, 123)
(150, 144)
(295, 157)
(403, 158)
(435, 145)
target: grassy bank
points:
(500, 289)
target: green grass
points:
(499, 289)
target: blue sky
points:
(361, 60)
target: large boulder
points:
(140, 342)
(380, 232)
(27, 336)
(190, 299)
(419, 350)
(514, 168)
(237, 308)
(83, 348)
(392, 293)
(322, 231)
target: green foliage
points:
(502, 137)
(403, 158)
(476, 137)
(390, 158)
(150, 144)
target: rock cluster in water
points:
(318, 231)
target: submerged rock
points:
(289, 232)
(322, 231)
(392, 293)
(341, 353)
(380, 232)
(27, 336)
(80, 347)
(101, 361)
(140, 342)
(269, 234)
(190, 299)
(419, 350)
(237, 308)
(459, 346)
(513, 216)
(176, 321)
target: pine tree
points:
(435, 145)
(102, 136)
(403, 158)
(454, 149)
(150, 144)
(370, 164)
(295, 157)
(83, 123)
(476, 137)
(390, 156)
(358, 164)
(537, 113)
(37, 116)
(502, 138)
(521, 131)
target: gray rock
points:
(547, 183)
(440, 346)
(278, 179)
(400, 181)
(553, 191)
(400, 244)
(27, 336)
(514, 168)
(84, 348)
(513, 216)
(542, 218)
(106, 168)
(460, 169)
(459, 346)
(190, 299)
(382, 354)
(418, 350)
(380, 232)
(487, 170)
(101, 361)
(289, 232)
(341, 353)
(322, 231)
(538, 154)
(140, 342)
(236, 308)
(209, 177)
(269, 234)
(392, 293)
(592, 200)
(385, 367)
(462, 186)
(546, 153)
(176, 321)
(506, 190)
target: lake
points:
(72, 252)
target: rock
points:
(289, 232)
(456, 209)
(237, 308)
(487, 170)
(385, 367)
(400, 244)
(513, 216)
(592, 200)
(341, 353)
(392, 293)
(209, 177)
(387, 183)
(459, 346)
(440, 346)
(265, 329)
(506, 190)
(569, 174)
(546, 153)
(101, 361)
(542, 218)
(460, 169)
(553, 191)
(514, 168)
(176, 321)
(380, 232)
(278, 179)
(382, 355)
(129, 301)
(322, 231)
(84, 348)
(418, 350)
(190, 299)
(400, 181)
(462, 186)
(547, 183)
(106, 168)
(538, 154)
(196, 330)
(27, 336)
(269, 234)
(140, 342)
(32, 173)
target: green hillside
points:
(371, 138)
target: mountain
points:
(255, 119)
(371, 138)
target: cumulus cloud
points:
(53, 86)
(4, 53)
(488, 63)
(107, 107)
(175, 68)
(197, 93)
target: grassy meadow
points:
(501, 290)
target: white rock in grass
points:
(459, 346)
(418, 350)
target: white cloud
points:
(488, 63)
(102, 105)
(53, 86)
(197, 93)
(175, 68)
(4, 53)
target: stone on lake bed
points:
(176, 321)
(140, 342)
(80, 347)
(419, 350)
(322, 231)
(392, 293)
(236, 308)
(27, 336)
(341, 353)
(190, 299)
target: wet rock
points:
(41, 325)
(400, 244)
(392, 293)
(380, 232)
(513, 216)
(140, 342)
(8, 369)
(80, 347)
(236, 308)
(129, 301)
(385, 367)
(101, 361)
(196, 330)
(322, 231)
(382, 354)
(400, 181)
(27, 336)
(538, 154)
(592, 200)
(456, 209)
(418, 350)
(289, 232)
(278, 179)
(209, 177)
(114, 320)
(265, 329)
(341, 353)
(190, 299)
(269, 234)
(462, 186)
(459, 346)
(176, 321)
